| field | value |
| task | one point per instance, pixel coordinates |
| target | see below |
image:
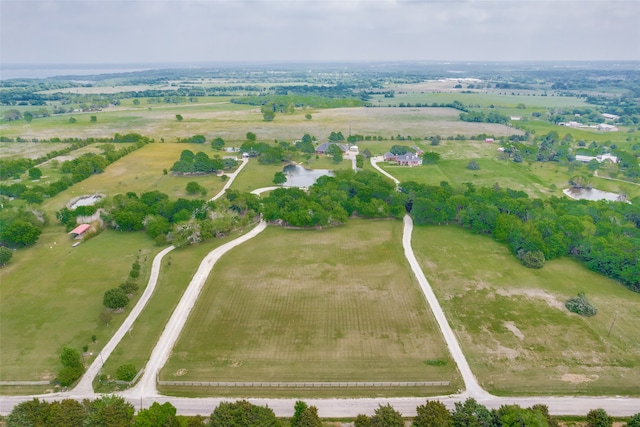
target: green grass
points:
(332, 305)
(52, 297)
(499, 99)
(512, 324)
(176, 273)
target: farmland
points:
(337, 304)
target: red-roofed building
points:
(80, 230)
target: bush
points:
(134, 274)
(115, 298)
(5, 255)
(581, 306)
(531, 259)
(129, 287)
(126, 372)
(473, 165)
(68, 375)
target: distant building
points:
(607, 128)
(409, 159)
(490, 140)
(599, 158)
(324, 147)
(610, 116)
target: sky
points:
(219, 31)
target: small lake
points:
(85, 201)
(297, 176)
(591, 194)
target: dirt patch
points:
(551, 300)
(578, 378)
(181, 372)
(514, 330)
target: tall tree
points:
(598, 418)
(157, 416)
(432, 414)
(243, 414)
(386, 416)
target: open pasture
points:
(29, 150)
(52, 296)
(513, 326)
(142, 171)
(313, 305)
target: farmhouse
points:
(600, 158)
(77, 232)
(610, 116)
(324, 147)
(607, 128)
(408, 159)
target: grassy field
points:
(29, 150)
(512, 324)
(142, 171)
(176, 272)
(52, 297)
(331, 305)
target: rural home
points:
(600, 158)
(409, 159)
(324, 147)
(607, 128)
(77, 232)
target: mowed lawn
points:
(308, 305)
(52, 297)
(513, 326)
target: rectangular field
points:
(512, 324)
(308, 305)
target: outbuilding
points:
(77, 232)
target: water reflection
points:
(297, 176)
(592, 194)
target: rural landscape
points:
(368, 244)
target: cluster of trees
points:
(283, 103)
(480, 116)
(19, 228)
(605, 236)
(178, 221)
(331, 200)
(115, 411)
(72, 366)
(195, 139)
(200, 163)
(75, 171)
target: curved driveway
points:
(145, 392)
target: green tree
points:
(279, 178)
(634, 421)
(115, 298)
(126, 372)
(268, 113)
(308, 116)
(72, 120)
(28, 116)
(243, 414)
(471, 414)
(362, 421)
(110, 411)
(298, 408)
(430, 158)
(309, 418)
(5, 255)
(251, 137)
(31, 413)
(66, 413)
(93, 119)
(473, 165)
(72, 366)
(157, 416)
(179, 117)
(136, 101)
(195, 188)
(217, 144)
(515, 416)
(386, 416)
(19, 233)
(598, 418)
(35, 173)
(432, 414)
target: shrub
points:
(129, 287)
(473, 165)
(68, 375)
(5, 255)
(531, 259)
(115, 298)
(134, 274)
(581, 306)
(126, 372)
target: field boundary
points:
(304, 384)
(15, 383)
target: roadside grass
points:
(513, 326)
(142, 171)
(52, 296)
(176, 272)
(330, 305)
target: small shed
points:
(77, 232)
(489, 140)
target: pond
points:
(592, 194)
(85, 201)
(297, 176)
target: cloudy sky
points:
(178, 31)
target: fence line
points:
(25, 383)
(304, 384)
